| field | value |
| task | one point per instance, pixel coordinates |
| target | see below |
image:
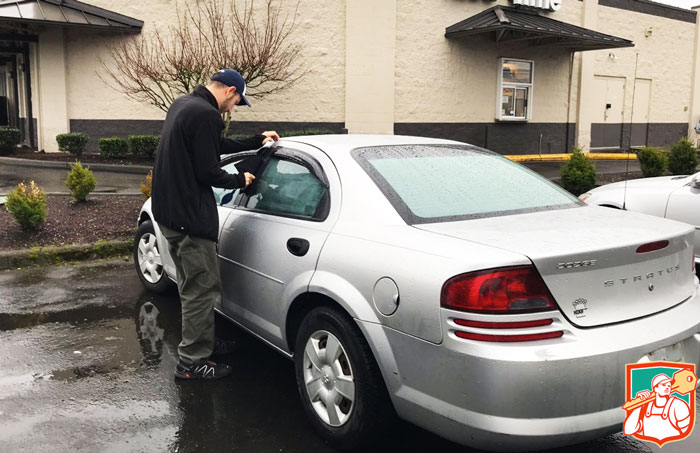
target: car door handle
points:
(298, 246)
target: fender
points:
(345, 294)
(357, 306)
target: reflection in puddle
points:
(150, 334)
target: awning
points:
(66, 13)
(507, 24)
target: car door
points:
(226, 199)
(684, 206)
(270, 243)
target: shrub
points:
(27, 204)
(683, 158)
(143, 145)
(284, 134)
(307, 132)
(578, 175)
(9, 139)
(80, 181)
(652, 161)
(113, 147)
(73, 142)
(147, 185)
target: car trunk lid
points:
(589, 258)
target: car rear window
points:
(438, 183)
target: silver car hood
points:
(588, 258)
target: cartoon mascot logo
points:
(660, 404)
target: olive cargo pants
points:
(199, 285)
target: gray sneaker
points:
(204, 370)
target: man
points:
(185, 169)
(665, 416)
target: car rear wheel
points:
(147, 259)
(341, 388)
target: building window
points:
(515, 78)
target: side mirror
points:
(695, 182)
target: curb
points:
(566, 157)
(132, 169)
(51, 254)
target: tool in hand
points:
(683, 382)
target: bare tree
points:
(209, 35)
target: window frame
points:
(314, 167)
(232, 159)
(515, 85)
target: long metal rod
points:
(629, 145)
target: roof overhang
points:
(66, 13)
(507, 24)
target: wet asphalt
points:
(86, 362)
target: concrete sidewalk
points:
(51, 176)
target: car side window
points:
(227, 197)
(287, 187)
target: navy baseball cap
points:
(232, 78)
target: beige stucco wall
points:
(455, 80)
(694, 114)
(318, 97)
(52, 113)
(665, 57)
(369, 66)
(374, 64)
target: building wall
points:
(316, 101)
(663, 54)
(442, 80)
(448, 87)
(387, 67)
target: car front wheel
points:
(339, 382)
(147, 259)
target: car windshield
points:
(437, 183)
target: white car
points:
(672, 197)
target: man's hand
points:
(249, 178)
(270, 136)
(644, 394)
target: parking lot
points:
(87, 360)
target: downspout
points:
(568, 101)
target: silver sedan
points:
(441, 283)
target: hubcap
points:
(330, 384)
(149, 259)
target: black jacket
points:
(187, 165)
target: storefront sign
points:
(551, 5)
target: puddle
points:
(81, 372)
(84, 314)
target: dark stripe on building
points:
(504, 138)
(652, 8)
(617, 135)
(97, 129)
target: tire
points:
(148, 261)
(359, 412)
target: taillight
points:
(509, 338)
(652, 246)
(517, 289)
